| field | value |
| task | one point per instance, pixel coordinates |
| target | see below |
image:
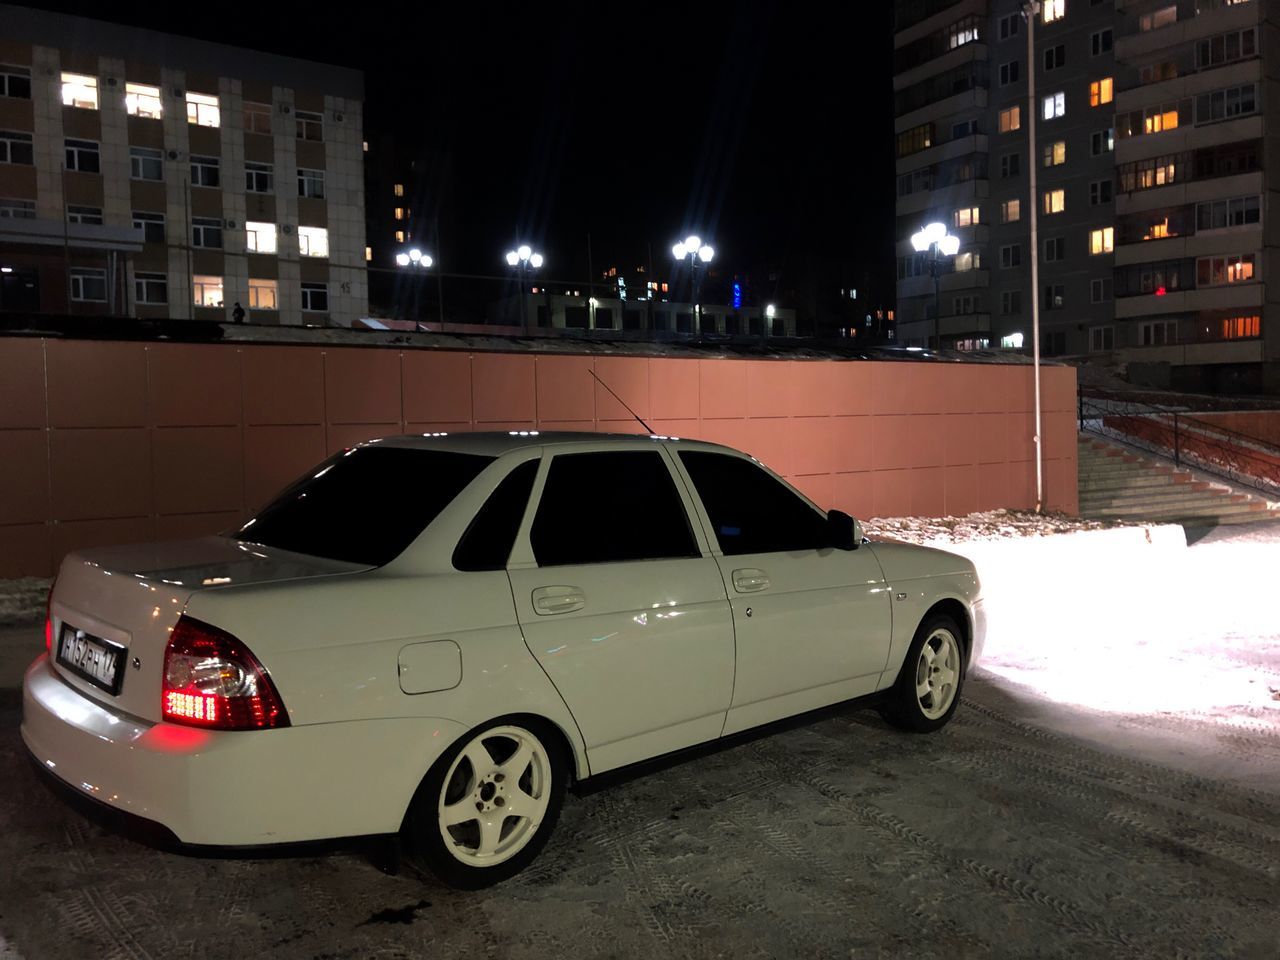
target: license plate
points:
(99, 661)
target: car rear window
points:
(364, 505)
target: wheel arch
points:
(957, 611)
(574, 761)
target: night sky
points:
(766, 128)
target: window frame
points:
(70, 81)
(307, 179)
(74, 146)
(199, 226)
(139, 157)
(204, 164)
(306, 122)
(255, 172)
(143, 101)
(144, 281)
(9, 72)
(203, 109)
(142, 218)
(81, 274)
(307, 291)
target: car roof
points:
(496, 443)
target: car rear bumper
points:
(218, 788)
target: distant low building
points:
(150, 175)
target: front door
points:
(622, 608)
(813, 623)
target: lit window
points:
(315, 297)
(368, 254)
(313, 241)
(399, 236)
(202, 110)
(1010, 211)
(1158, 231)
(399, 213)
(364, 145)
(141, 100)
(257, 118)
(206, 291)
(262, 295)
(1055, 201)
(1100, 92)
(261, 237)
(79, 90)
(399, 189)
(1102, 241)
(1158, 18)
(1055, 153)
(1160, 120)
(1053, 10)
(1010, 119)
(966, 217)
(1214, 271)
(1055, 105)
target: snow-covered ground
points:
(1130, 639)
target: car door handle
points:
(750, 580)
(548, 601)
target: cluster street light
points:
(414, 258)
(524, 260)
(692, 248)
(935, 239)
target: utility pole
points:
(1030, 10)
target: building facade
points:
(1151, 183)
(150, 175)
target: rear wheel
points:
(928, 688)
(488, 805)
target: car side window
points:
(750, 511)
(492, 532)
(610, 506)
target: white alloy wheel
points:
(937, 673)
(494, 796)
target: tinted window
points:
(487, 543)
(750, 511)
(365, 505)
(606, 507)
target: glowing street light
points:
(414, 258)
(692, 248)
(524, 259)
(935, 239)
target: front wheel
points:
(488, 805)
(928, 687)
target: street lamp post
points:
(939, 243)
(692, 248)
(414, 260)
(524, 260)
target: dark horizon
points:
(766, 130)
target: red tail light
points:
(48, 621)
(212, 680)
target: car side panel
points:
(917, 579)
(333, 651)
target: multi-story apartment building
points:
(1194, 243)
(1149, 118)
(150, 175)
(962, 124)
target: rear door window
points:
(608, 507)
(365, 505)
(750, 510)
(487, 543)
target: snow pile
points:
(992, 525)
(22, 600)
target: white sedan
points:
(432, 636)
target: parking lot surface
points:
(840, 837)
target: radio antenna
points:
(647, 428)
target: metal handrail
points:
(1187, 412)
(1188, 441)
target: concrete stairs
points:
(1116, 483)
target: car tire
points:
(486, 807)
(927, 691)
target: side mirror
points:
(845, 532)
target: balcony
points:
(1227, 297)
(941, 152)
(1134, 46)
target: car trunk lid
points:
(113, 608)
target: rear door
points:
(620, 604)
(812, 622)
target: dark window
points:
(608, 507)
(579, 318)
(750, 511)
(364, 505)
(487, 543)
